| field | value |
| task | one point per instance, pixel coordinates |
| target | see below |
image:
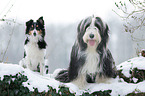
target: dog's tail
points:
(62, 76)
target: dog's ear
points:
(79, 26)
(29, 22)
(40, 20)
(106, 34)
(83, 25)
(106, 31)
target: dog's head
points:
(92, 32)
(35, 30)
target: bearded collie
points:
(91, 61)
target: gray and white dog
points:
(91, 61)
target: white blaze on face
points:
(92, 36)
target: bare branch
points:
(9, 20)
(8, 8)
(5, 7)
(9, 42)
(134, 18)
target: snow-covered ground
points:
(117, 85)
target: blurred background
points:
(61, 20)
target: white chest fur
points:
(34, 55)
(90, 67)
(92, 61)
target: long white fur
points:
(92, 59)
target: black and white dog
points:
(34, 46)
(91, 60)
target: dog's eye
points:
(37, 27)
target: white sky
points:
(62, 11)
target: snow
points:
(117, 85)
(137, 62)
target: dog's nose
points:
(91, 36)
(34, 33)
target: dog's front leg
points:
(41, 68)
(28, 63)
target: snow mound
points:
(137, 62)
(117, 85)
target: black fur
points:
(77, 60)
(26, 41)
(42, 44)
(63, 76)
